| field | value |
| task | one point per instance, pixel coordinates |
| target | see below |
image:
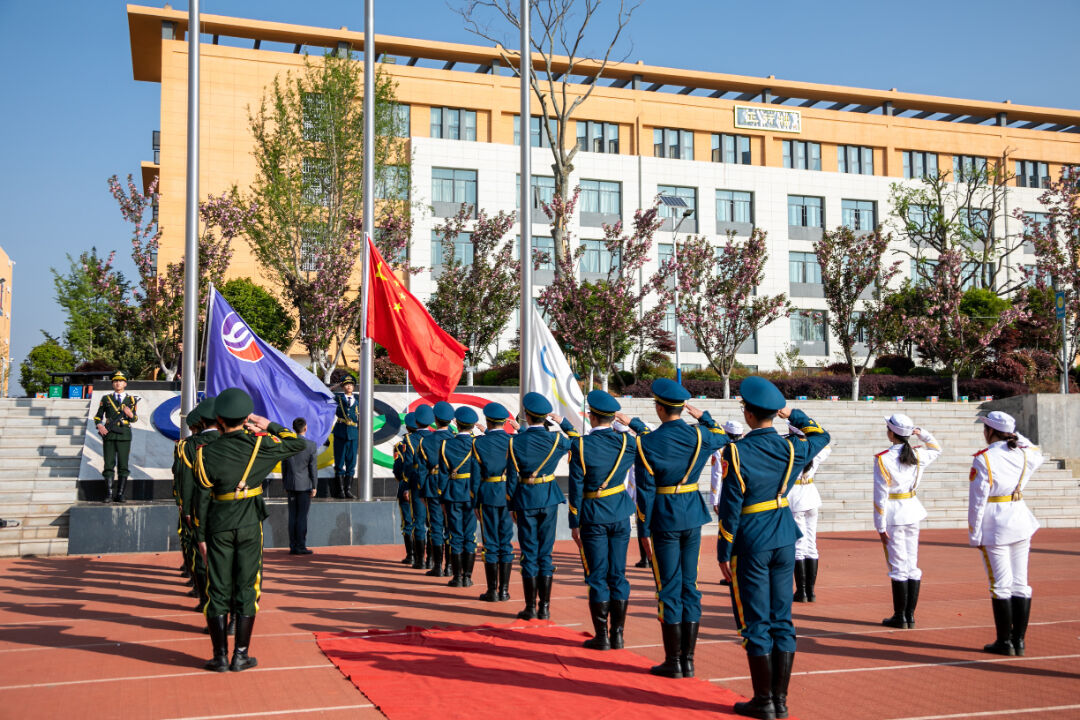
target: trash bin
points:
(56, 391)
(75, 392)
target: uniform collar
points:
(492, 431)
(672, 423)
(760, 431)
(209, 430)
(601, 429)
(464, 434)
(540, 428)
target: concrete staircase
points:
(41, 445)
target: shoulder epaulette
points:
(980, 452)
(883, 452)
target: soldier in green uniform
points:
(232, 470)
(115, 414)
(188, 549)
(203, 424)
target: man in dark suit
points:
(299, 477)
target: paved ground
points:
(113, 636)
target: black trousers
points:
(299, 503)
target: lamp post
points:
(677, 202)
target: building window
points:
(1039, 221)
(808, 330)
(453, 123)
(315, 181)
(546, 247)
(805, 211)
(673, 144)
(859, 215)
(451, 185)
(688, 195)
(543, 191)
(734, 206)
(967, 168)
(597, 259)
(392, 183)
(801, 155)
(601, 196)
(463, 249)
(1032, 174)
(976, 221)
(803, 268)
(856, 159)
(598, 137)
(537, 138)
(312, 106)
(919, 164)
(400, 119)
(734, 149)
(312, 236)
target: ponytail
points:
(1010, 439)
(907, 453)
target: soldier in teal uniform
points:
(232, 470)
(492, 451)
(424, 418)
(666, 470)
(402, 456)
(600, 510)
(115, 414)
(346, 439)
(535, 498)
(459, 473)
(756, 541)
(427, 466)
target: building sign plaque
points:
(756, 118)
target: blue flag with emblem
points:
(281, 388)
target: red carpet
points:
(525, 670)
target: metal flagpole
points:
(189, 381)
(525, 125)
(367, 383)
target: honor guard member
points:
(346, 439)
(232, 469)
(183, 520)
(115, 414)
(805, 501)
(402, 456)
(459, 472)
(898, 512)
(668, 463)
(206, 432)
(424, 418)
(492, 451)
(600, 510)
(535, 498)
(734, 430)
(428, 467)
(1000, 524)
(756, 541)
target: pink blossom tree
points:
(717, 305)
(854, 276)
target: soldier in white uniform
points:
(1001, 525)
(735, 430)
(898, 512)
(805, 501)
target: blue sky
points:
(74, 116)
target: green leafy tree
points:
(90, 293)
(43, 358)
(261, 311)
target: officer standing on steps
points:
(459, 472)
(535, 498)
(115, 414)
(424, 417)
(756, 542)
(667, 467)
(600, 510)
(346, 439)
(232, 469)
(492, 451)
(427, 465)
(403, 451)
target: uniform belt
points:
(1005, 498)
(346, 422)
(774, 504)
(239, 494)
(902, 496)
(501, 478)
(805, 481)
(605, 492)
(461, 476)
(538, 480)
(673, 489)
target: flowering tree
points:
(946, 333)
(598, 322)
(717, 305)
(94, 296)
(850, 264)
(475, 296)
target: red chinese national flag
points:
(401, 324)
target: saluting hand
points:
(692, 411)
(258, 422)
(555, 418)
(623, 418)
(784, 413)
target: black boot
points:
(800, 581)
(505, 568)
(436, 561)
(216, 626)
(408, 550)
(455, 563)
(543, 592)
(240, 659)
(899, 604)
(429, 558)
(418, 553)
(468, 562)
(761, 705)
(119, 497)
(1021, 610)
(672, 665)
(1003, 625)
(491, 574)
(811, 578)
(446, 572)
(346, 487)
(689, 642)
(108, 489)
(184, 571)
(335, 487)
(781, 675)
(528, 586)
(618, 620)
(231, 628)
(599, 612)
(913, 587)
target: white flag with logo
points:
(550, 374)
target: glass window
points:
(857, 159)
(673, 144)
(1032, 174)
(315, 180)
(969, 168)
(597, 136)
(808, 326)
(393, 183)
(436, 122)
(689, 196)
(734, 206)
(545, 245)
(400, 120)
(312, 107)
(537, 138)
(803, 268)
(312, 237)
(919, 164)
(596, 259)
(601, 196)
(453, 123)
(858, 214)
(543, 190)
(802, 155)
(453, 185)
(733, 149)
(805, 211)
(463, 248)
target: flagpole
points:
(525, 345)
(189, 382)
(367, 383)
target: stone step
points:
(30, 485)
(26, 422)
(17, 442)
(46, 431)
(45, 546)
(39, 451)
(38, 497)
(12, 465)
